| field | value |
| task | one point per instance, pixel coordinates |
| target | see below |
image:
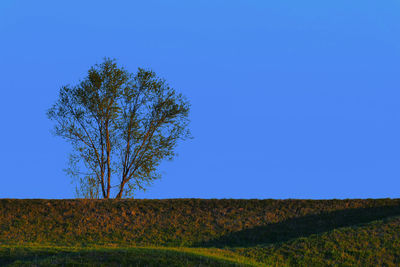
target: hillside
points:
(288, 232)
(373, 244)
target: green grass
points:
(133, 256)
(374, 244)
(195, 232)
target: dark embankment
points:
(182, 222)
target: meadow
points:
(200, 232)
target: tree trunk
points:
(102, 185)
(108, 161)
(121, 189)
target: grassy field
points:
(196, 232)
(129, 256)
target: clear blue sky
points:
(290, 99)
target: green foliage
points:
(121, 126)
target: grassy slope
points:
(277, 232)
(133, 256)
(373, 244)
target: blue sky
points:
(290, 99)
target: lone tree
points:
(121, 126)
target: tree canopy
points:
(121, 126)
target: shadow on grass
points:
(27, 256)
(301, 227)
(116, 257)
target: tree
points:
(121, 127)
